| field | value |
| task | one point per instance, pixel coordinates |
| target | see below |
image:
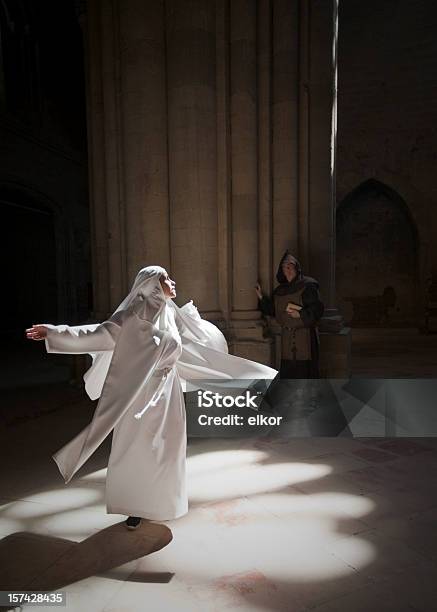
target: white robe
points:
(141, 370)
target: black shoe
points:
(133, 522)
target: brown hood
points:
(280, 276)
(298, 281)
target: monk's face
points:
(168, 286)
(289, 268)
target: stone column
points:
(245, 318)
(285, 175)
(304, 133)
(265, 187)
(223, 159)
(322, 140)
(127, 131)
(114, 201)
(91, 25)
(322, 123)
(244, 158)
(191, 31)
(265, 184)
(144, 134)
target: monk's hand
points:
(258, 291)
(36, 332)
(294, 314)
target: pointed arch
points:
(377, 257)
(374, 185)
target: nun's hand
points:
(258, 291)
(36, 332)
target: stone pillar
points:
(244, 158)
(322, 24)
(143, 124)
(304, 134)
(246, 325)
(115, 226)
(127, 132)
(91, 25)
(193, 151)
(223, 159)
(285, 174)
(265, 186)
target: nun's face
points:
(289, 269)
(168, 286)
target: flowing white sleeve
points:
(193, 328)
(81, 338)
(205, 353)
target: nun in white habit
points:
(142, 356)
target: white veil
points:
(147, 290)
(147, 299)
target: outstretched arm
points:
(75, 339)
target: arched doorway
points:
(376, 258)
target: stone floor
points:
(275, 524)
(393, 353)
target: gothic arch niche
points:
(376, 258)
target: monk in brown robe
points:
(297, 308)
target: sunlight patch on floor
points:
(244, 474)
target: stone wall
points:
(211, 150)
(387, 118)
